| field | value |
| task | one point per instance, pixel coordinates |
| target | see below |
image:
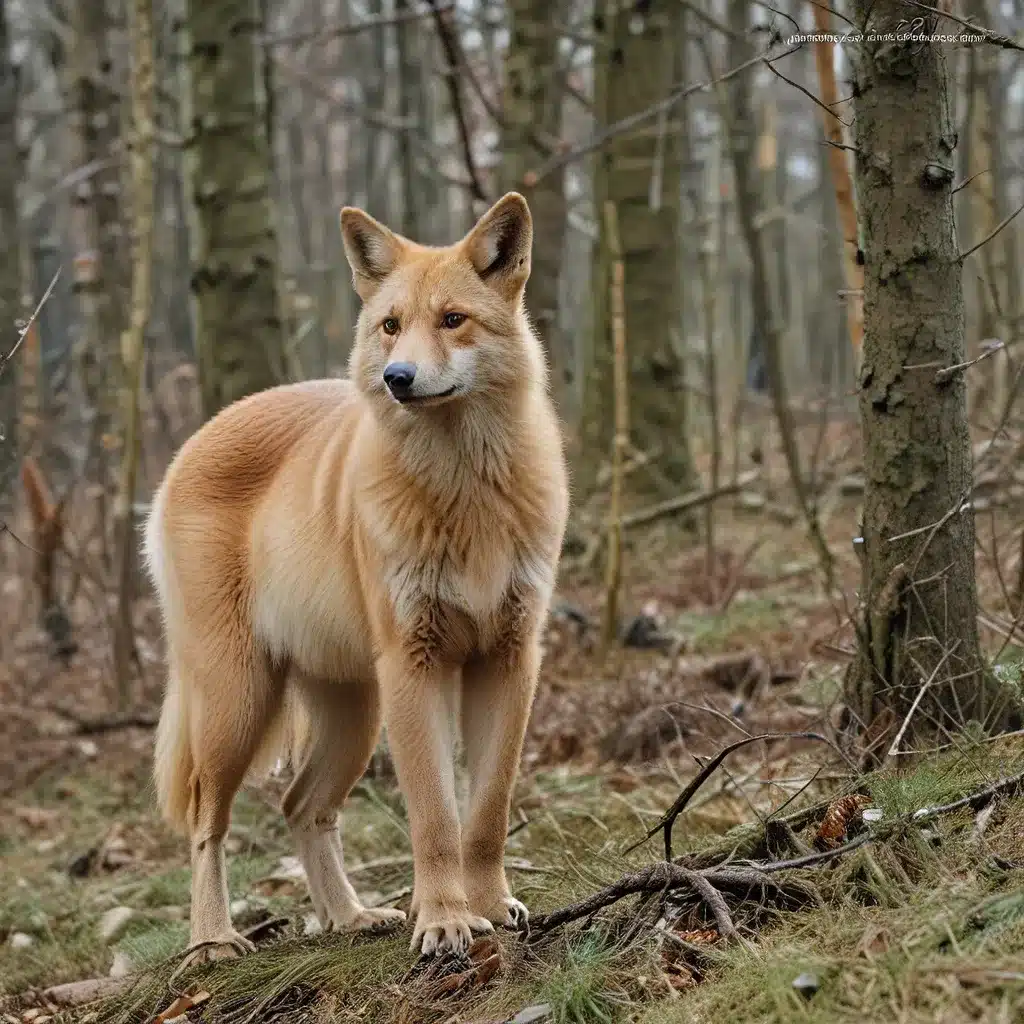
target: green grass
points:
(923, 926)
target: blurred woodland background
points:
(778, 277)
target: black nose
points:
(399, 377)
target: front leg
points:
(421, 713)
(497, 693)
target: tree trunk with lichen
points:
(639, 170)
(919, 597)
(228, 167)
(532, 112)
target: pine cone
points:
(842, 811)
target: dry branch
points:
(740, 877)
(449, 43)
(687, 502)
(707, 885)
(669, 817)
(627, 124)
(325, 33)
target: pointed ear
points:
(499, 246)
(372, 250)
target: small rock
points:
(311, 925)
(806, 984)
(21, 940)
(871, 814)
(88, 748)
(238, 907)
(532, 1013)
(122, 965)
(114, 922)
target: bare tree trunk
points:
(404, 36)
(233, 236)
(95, 229)
(919, 590)
(842, 182)
(132, 342)
(10, 271)
(994, 267)
(640, 172)
(620, 440)
(738, 114)
(532, 110)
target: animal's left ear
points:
(499, 246)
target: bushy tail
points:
(173, 761)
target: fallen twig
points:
(668, 819)
(664, 876)
(708, 883)
(686, 502)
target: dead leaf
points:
(182, 1005)
(874, 942)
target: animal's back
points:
(204, 507)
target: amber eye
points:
(453, 320)
(390, 325)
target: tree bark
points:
(233, 236)
(532, 112)
(918, 592)
(639, 171)
(10, 271)
(94, 114)
(409, 178)
(143, 76)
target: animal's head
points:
(440, 325)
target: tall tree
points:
(142, 88)
(228, 168)
(918, 592)
(639, 170)
(738, 114)
(407, 89)
(93, 102)
(9, 268)
(532, 112)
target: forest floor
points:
(919, 919)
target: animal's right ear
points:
(372, 250)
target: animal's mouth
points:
(420, 399)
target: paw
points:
(504, 911)
(444, 930)
(223, 946)
(376, 919)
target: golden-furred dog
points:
(332, 554)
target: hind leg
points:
(238, 698)
(344, 723)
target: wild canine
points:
(335, 553)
